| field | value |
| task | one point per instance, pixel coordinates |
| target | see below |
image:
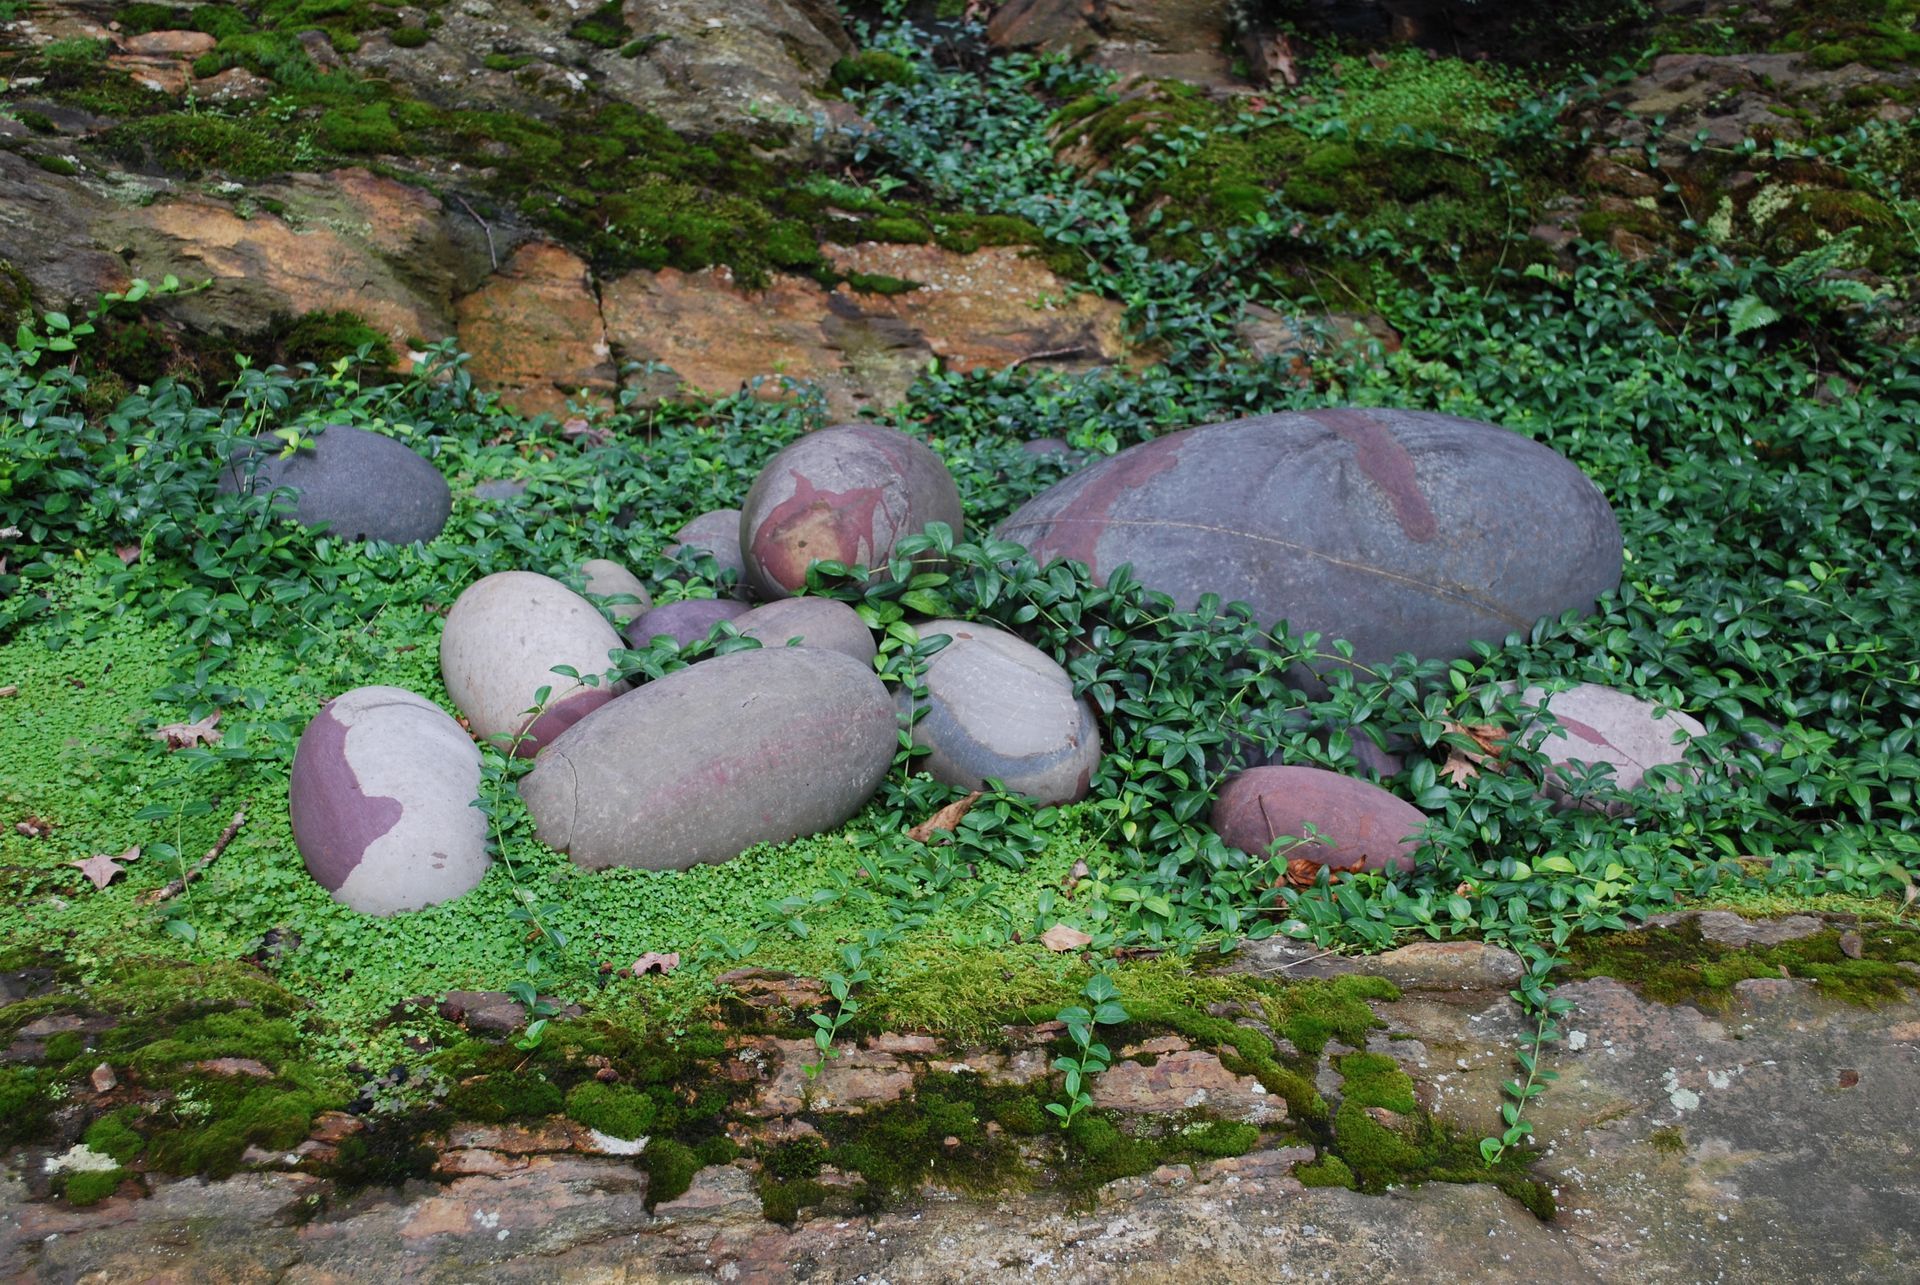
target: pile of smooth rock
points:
(1400, 531)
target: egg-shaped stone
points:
(686, 621)
(751, 747)
(718, 533)
(1355, 822)
(813, 622)
(358, 484)
(381, 797)
(503, 637)
(1400, 531)
(998, 707)
(606, 578)
(1599, 725)
(844, 494)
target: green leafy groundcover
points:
(1758, 438)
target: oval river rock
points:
(359, 484)
(1400, 531)
(381, 797)
(502, 639)
(844, 494)
(751, 747)
(1356, 821)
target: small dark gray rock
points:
(360, 485)
(718, 533)
(685, 621)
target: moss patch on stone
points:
(1676, 965)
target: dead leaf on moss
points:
(655, 962)
(179, 736)
(947, 818)
(1062, 938)
(101, 869)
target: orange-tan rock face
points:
(534, 331)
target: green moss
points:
(113, 1135)
(880, 284)
(616, 1110)
(504, 1096)
(781, 1202)
(363, 128)
(670, 1166)
(219, 20)
(871, 68)
(506, 62)
(1328, 1171)
(74, 54)
(604, 28)
(65, 1046)
(1218, 1138)
(194, 145)
(791, 1161)
(1668, 1140)
(1376, 1080)
(38, 122)
(90, 1187)
(410, 37)
(219, 1118)
(906, 231)
(23, 1103)
(1676, 965)
(139, 19)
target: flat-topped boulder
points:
(1400, 531)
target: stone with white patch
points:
(381, 796)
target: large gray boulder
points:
(999, 707)
(356, 483)
(844, 494)
(751, 747)
(381, 797)
(503, 637)
(1401, 531)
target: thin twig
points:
(1048, 353)
(484, 227)
(179, 885)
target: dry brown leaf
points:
(128, 553)
(10, 689)
(655, 962)
(1305, 873)
(947, 818)
(1459, 768)
(100, 869)
(1062, 938)
(179, 736)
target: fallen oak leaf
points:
(1062, 938)
(655, 962)
(947, 818)
(128, 553)
(1459, 768)
(1303, 872)
(100, 868)
(179, 736)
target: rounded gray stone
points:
(816, 622)
(717, 532)
(751, 747)
(844, 494)
(1400, 531)
(686, 621)
(381, 798)
(358, 484)
(999, 707)
(608, 579)
(503, 637)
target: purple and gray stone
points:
(752, 747)
(381, 797)
(358, 484)
(686, 621)
(717, 532)
(999, 707)
(1354, 820)
(816, 622)
(1401, 531)
(503, 637)
(1601, 725)
(844, 494)
(608, 579)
